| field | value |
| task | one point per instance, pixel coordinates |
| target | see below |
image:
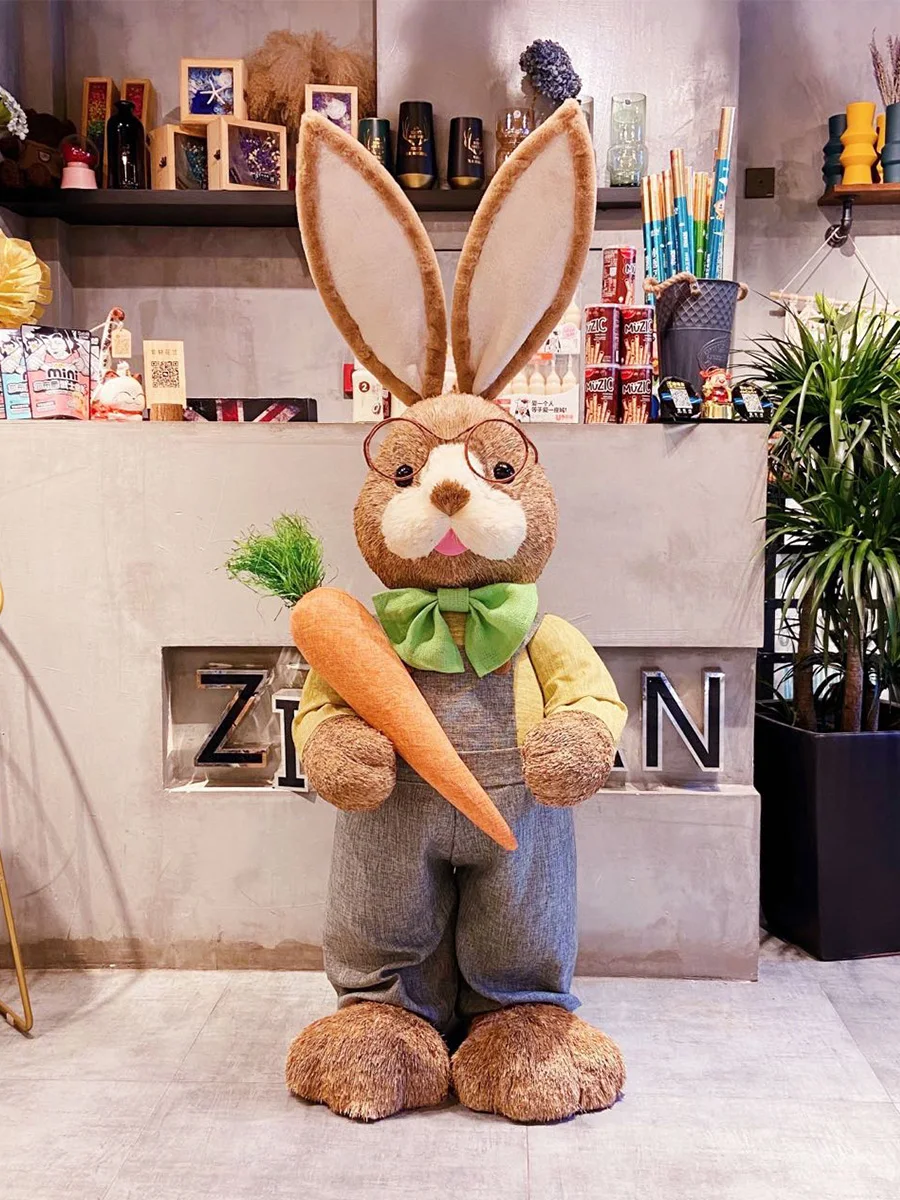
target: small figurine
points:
(717, 405)
(119, 396)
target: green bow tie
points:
(500, 616)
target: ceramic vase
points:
(877, 171)
(126, 149)
(416, 163)
(832, 171)
(890, 155)
(465, 161)
(858, 141)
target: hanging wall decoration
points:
(211, 88)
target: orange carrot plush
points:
(335, 634)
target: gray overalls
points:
(424, 910)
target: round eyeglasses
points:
(495, 449)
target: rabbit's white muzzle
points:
(491, 523)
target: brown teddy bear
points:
(430, 925)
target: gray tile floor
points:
(167, 1085)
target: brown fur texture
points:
(350, 764)
(278, 72)
(537, 1063)
(569, 119)
(447, 416)
(369, 1061)
(567, 758)
(318, 136)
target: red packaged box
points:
(601, 335)
(601, 394)
(637, 336)
(635, 395)
(619, 268)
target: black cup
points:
(416, 162)
(465, 164)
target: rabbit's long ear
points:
(524, 254)
(371, 260)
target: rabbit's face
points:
(446, 510)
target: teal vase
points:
(832, 171)
(890, 155)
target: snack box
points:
(14, 401)
(58, 369)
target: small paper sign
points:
(120, 343)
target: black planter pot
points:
(830, 839)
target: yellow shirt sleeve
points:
(572, 676)
(318, 702)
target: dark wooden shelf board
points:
(218, 209)
(863, 193)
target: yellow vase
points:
(879, 143)
(858, 140)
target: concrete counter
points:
(111, 544)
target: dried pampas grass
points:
(278, 72)
(887, 71)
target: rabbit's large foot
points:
(369, 1061)
(567, 757)
(537, 1063)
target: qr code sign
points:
(164, 374)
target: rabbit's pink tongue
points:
(450, 544)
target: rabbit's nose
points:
(449, 496)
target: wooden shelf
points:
(863, 193)
(218, 209)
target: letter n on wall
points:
(659, 696)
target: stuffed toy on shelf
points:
(432, 927)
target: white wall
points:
(802, 61)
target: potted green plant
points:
(828, 750)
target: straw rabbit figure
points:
(431, 929)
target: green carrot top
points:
(286, 562)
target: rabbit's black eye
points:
(503, 470)
(403, 476)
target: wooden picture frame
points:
(98, 93)
(321, 96)
(201, 77)
(176, 163)
(140, 92)
(229, 170)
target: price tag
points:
(120, 343)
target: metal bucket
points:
(694, 325)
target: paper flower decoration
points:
(24, 283)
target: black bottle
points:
(126, 148)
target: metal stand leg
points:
(24, 1023)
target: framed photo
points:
(178, 158)
(339, 104)
(246, 156)
(140, 93)
(97, 96)
(211, 88)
